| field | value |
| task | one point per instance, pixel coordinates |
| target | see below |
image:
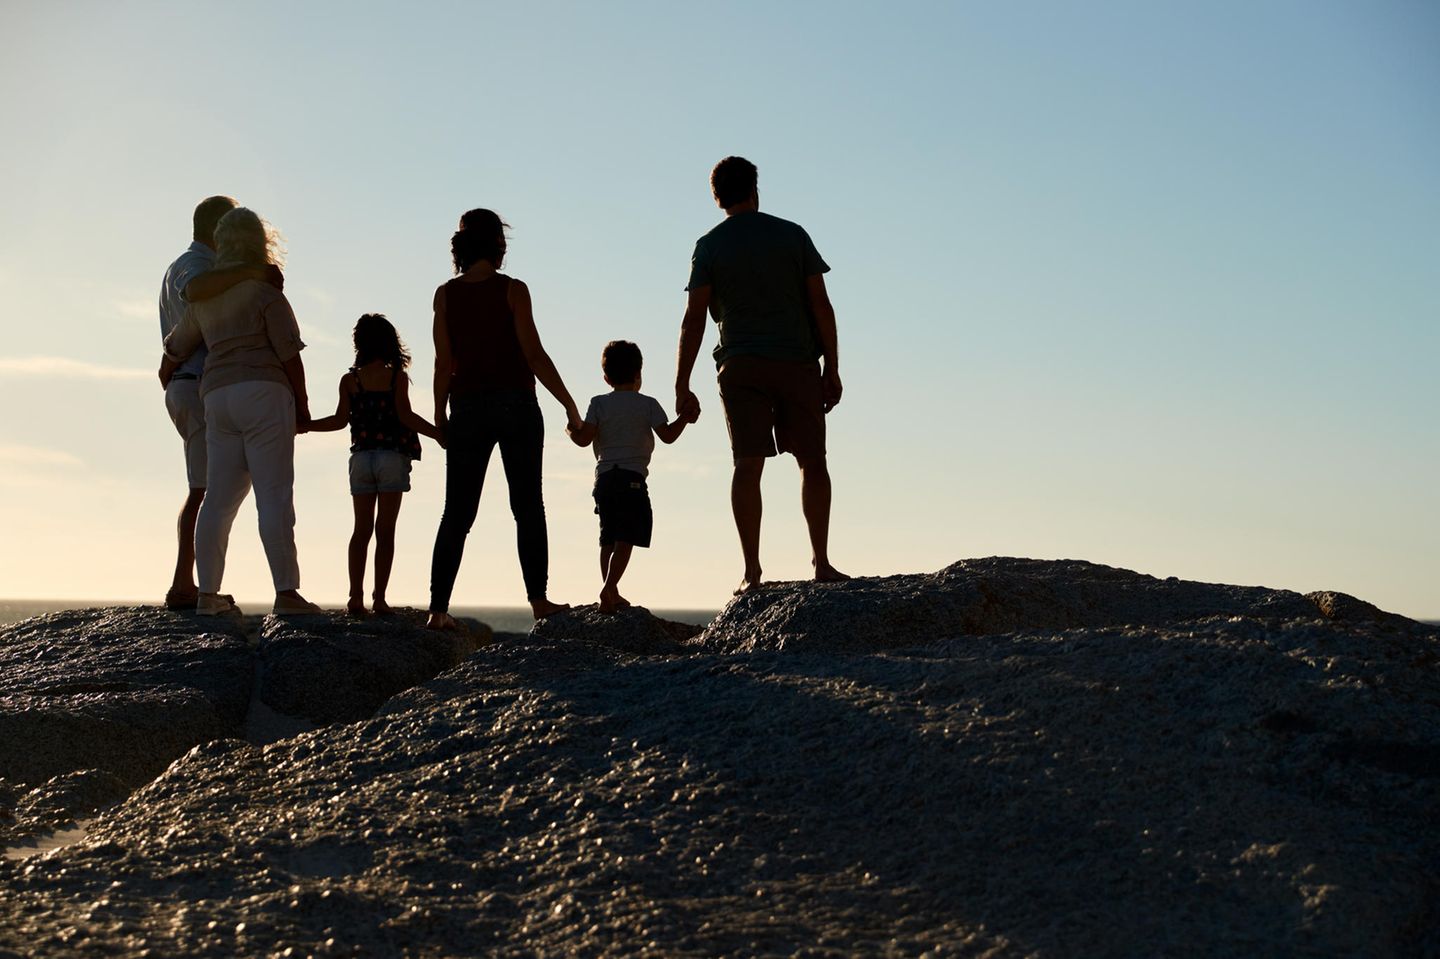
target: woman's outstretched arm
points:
(540, 363)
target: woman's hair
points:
(481, 236)
(376, 339)
(244, 238)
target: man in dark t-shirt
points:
(763, 281)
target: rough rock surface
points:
(335, 668)
(632, 630)
(1244, 782)
(121, 690)
(979, 597)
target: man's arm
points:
(209, 285)
(824, 315)
(692, 334)
(444, 364)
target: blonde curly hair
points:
(244, 238)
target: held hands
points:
(687, 405)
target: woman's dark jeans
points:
(478, 423)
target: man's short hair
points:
(621, 361)
(733, 181)
(209, 212)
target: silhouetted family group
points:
(235, 390)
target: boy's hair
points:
(621, 361)
(733, 181)
(481, 236)
(376, 339)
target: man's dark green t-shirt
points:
(756, 266)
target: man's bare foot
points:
(749, 584)
(382, 608)
(182, 597)
(356, 607)
(543, 607)
(825, 573)
(612, 602)
(441, 621)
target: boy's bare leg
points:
(182, 586)
(610, 598)
(359, 546)
(605, 553)
(745, 503)
(387, 512)
(815, 503)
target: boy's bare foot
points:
(382, 608)
(750, 583)
(825, 573)
(441, 621)
(356, 607)
(543, 607)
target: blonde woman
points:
(253, 385)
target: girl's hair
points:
(244, 238)
(481, 236)
(376, 339)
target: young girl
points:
(375, 402)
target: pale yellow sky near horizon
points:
(1098, 297)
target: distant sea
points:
(502, 619)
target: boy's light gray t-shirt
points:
(625, 421)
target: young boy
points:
(619, 423)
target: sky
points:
(1150, 285)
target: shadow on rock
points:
(631, 630)
(335, 669)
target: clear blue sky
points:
(1153, 285)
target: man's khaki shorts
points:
(773, 406)
(187, 412)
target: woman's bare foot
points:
(381, 607)
(750, 583)
(543, 607)
(612, 602)
(825, 573)
(441, 621)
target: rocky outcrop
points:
(632, 630)
(1240, 775)
(981, 597)
(334, 668)
(125, 691)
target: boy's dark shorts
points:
(623, 503)
(773, 406)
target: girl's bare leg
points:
(387, 513)
(359, 546)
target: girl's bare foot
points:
(356, 607)
(441, 621)
(543, 607)
(825, 573)
(381, 607)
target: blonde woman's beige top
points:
(250, 331)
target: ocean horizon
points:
(502, 619)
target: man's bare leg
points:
(182, 586)
(745, 503)
(610, 598)
(815, 502)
